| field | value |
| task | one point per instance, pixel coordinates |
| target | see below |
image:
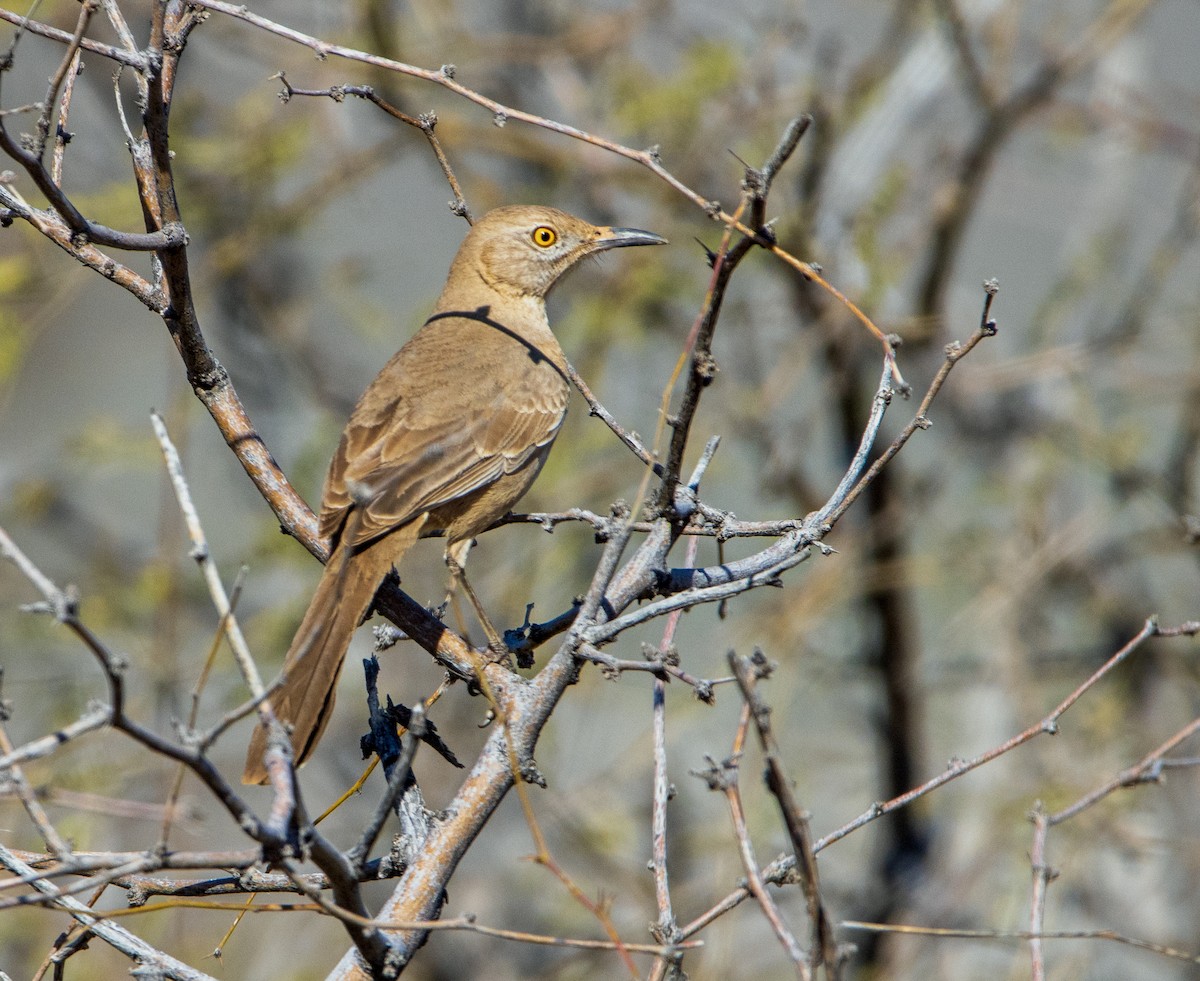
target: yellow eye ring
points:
(544, 236)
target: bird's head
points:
(526, 249)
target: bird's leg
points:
(456, 560)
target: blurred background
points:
(1010, 550)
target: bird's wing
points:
(434, 438)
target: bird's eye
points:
(544, 236)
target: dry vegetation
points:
(917, 527)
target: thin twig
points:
(747, 671)
(426, 123)
(957, 767)
(954, 353)
(666, 929)
(724, 777)
(36, 749)
(61, 135)
(33, 807)
(1042, 876)
(208, 568)
(1111, 935)
(467, 924)
(194, 711)
(64, 607)
(600, 412)
(66, 69)
(130, 59)
(111, 933)
(1146, 770)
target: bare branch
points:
(208, 569)
(426, 123)
(131, 59)
(795, 819)
(111, 933)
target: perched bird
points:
(446, 439)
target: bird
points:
(445, 440)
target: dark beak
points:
(618, 238)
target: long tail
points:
(314, 660)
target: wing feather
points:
(420, 439)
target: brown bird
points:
(447, 438)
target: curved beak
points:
(619, 238)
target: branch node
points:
(705, 367)
(531, 774)
(719, 776)
(666, 655)
(753, 181)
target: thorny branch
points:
(724, 777)
(614, 588)
(426, 123)
(602, 614)
(748, 672)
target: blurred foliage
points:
(14, 338)
(672, 108)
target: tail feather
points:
(314, 660)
